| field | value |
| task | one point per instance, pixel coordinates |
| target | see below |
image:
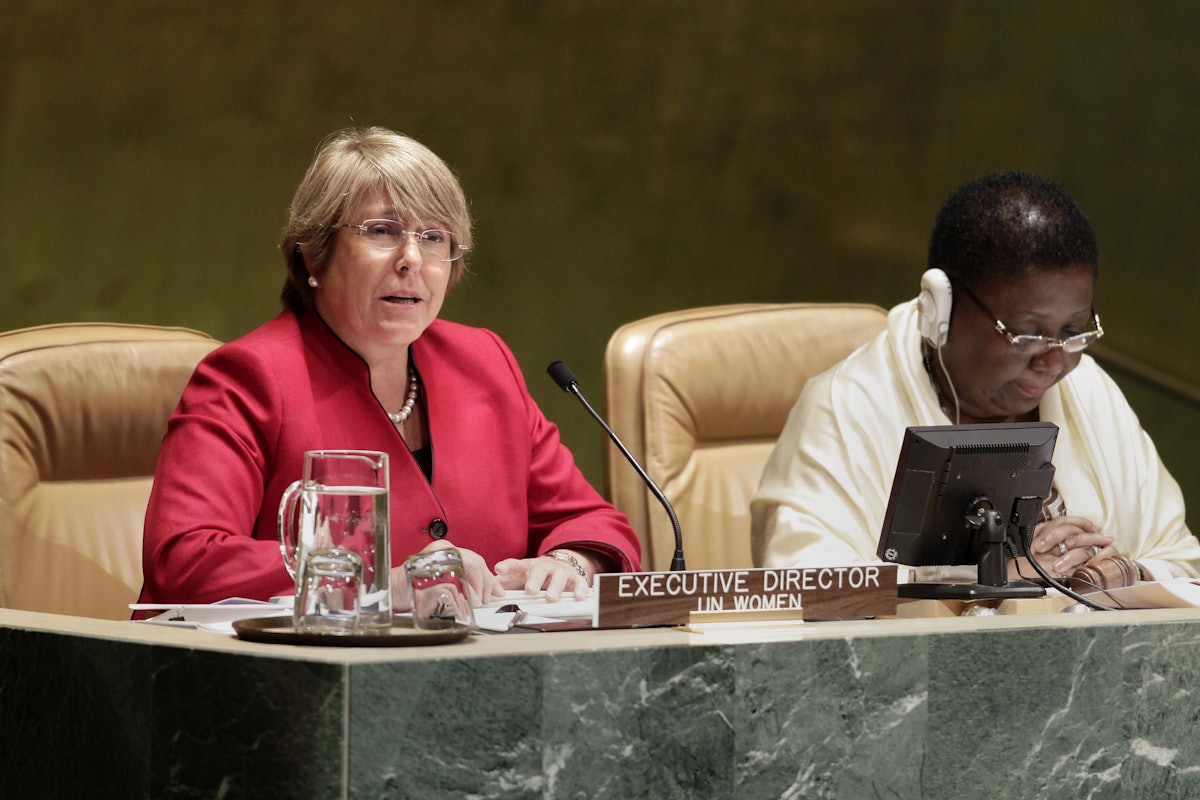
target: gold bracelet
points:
(568, 558)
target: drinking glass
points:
(440, 593)
(339, 506)
(327, 598)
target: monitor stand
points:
(993, 582)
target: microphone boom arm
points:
(563, 376)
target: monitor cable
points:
(1025, 532)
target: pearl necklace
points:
(410, 401)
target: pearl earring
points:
(312, 281)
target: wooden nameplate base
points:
(642, 599)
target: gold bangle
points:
(568, 558)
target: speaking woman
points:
(358, 359)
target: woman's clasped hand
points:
(1064, 544)
(543, 575)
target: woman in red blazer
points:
(358, 360)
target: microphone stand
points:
(563, 376)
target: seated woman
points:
(358, 360)
(1020, 262)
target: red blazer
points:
(503, 483)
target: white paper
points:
(1171, 593)
(538, 610)
(218, 616)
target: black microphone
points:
(566, 381)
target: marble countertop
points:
(915, 619)
(1029, 702)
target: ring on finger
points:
(1095, 550)
(1062, 549)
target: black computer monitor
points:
(961, 492)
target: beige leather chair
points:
(83, 409)
(699, 397)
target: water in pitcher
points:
(354, 518)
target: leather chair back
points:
(83, 410)
(700, 396)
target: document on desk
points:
(218, 617)
(1171, 593)
(515, 609)
(525, 611)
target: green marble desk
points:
(1039, 705)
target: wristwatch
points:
(568, 558)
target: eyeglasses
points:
(1037, 345)
(387, 234)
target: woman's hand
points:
(1065, 544)
(485, 586)
(548, 574)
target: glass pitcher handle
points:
(287, 526)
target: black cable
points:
(1026, 543)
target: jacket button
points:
(438, 529)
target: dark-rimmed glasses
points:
(387, 234)
(1030, 345)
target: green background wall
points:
(622, 158)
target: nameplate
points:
(635, 599)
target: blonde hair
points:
(351, 165)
